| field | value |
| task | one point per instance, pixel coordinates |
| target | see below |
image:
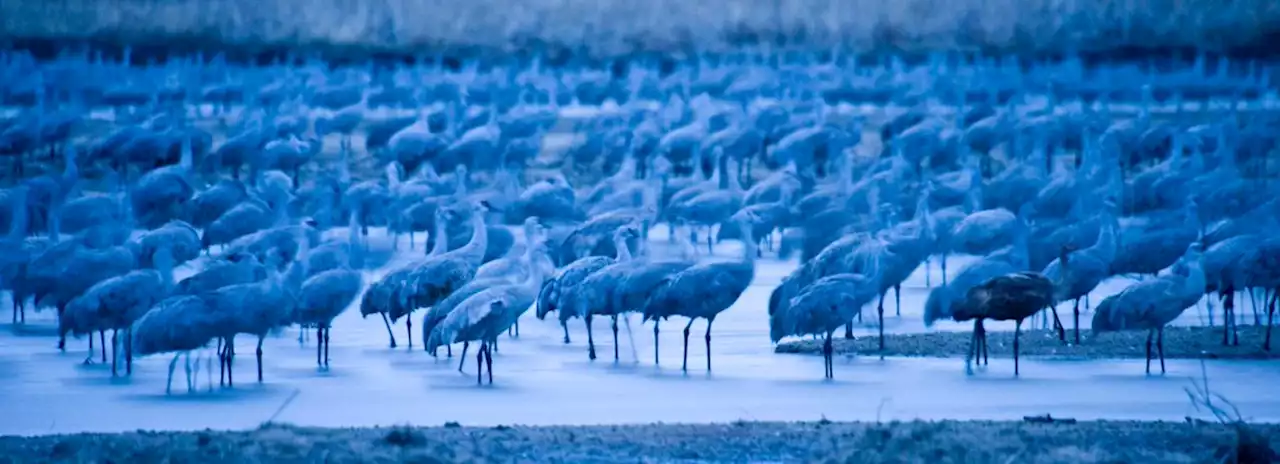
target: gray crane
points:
(1152, 304)
(827, 304)
(703, 291)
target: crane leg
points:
(928, 275)
(943, 265)
(102, 340)
(848, 331)
(1271, 312)
(319, 347)
(1017, 336)
(480, 363)
(173, 364)
(1075, 315)
(708, 339)
(655, 342)
(897, 300)
(1160, 347)
(128, 352)
(259, 356)
(615, 338)
(880, 316)
(488, 364)
(231, 358)
(591, 344)
(62, 338)
(389, 334)
(1228, 297)
(566, 332)
(88, 360)
(114, 339)
(1057, 325)
(222, 364)
(408, 329)
(1235, 327)
(1253, 303)
(973, 348)
(326, 347)
(684, 364)
(1150, 335)
(710, 238)
(463, 358)
(186, 368)
(986, 352)
(827, 355)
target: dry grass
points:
(1179, 343)
(612, 27)
(909, 442)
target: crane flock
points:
(1055, 175)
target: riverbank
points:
(623, 28)
(1179, 343)
(947, 441)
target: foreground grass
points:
(1179, 342)
(933, 442)
(619, 27)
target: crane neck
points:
(441, 233)
(355, 249)
(474, 249)
(749, 247)
(623, 250)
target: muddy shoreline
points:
(1179, 343)
(947, 441)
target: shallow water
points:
(539, 380)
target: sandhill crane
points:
(1014, 297)
(115, 303)
(1259, 268)
(162, 194)
(249, 216)
(325, 295)
(942, 300)
(1154, 303)
(179, 325)
(705, 290)
(427, 282)
(1152, 249)
(908, 244)
(210, 203)
(234, 269)
(181, 239)
(619, 288)
(61, 274)
(710, 208)
(1086, 268)
(485, 315)
(535, 255)
(1223, 273)
(260, 307)
(830, 302)
(556, 294)
(16, 251)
